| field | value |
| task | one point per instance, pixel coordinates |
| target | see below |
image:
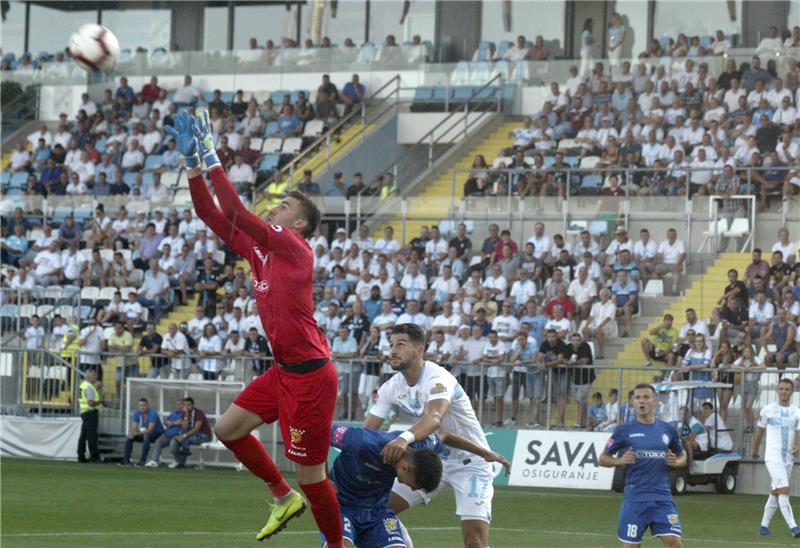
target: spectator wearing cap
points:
(358, 188)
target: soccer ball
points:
(94, 47)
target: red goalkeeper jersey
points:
(282, 266)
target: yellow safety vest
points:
(276, 188)
(70, 351)
(84, 400)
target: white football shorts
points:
(472, 484)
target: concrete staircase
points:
(435, 200)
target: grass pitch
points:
(68, 504)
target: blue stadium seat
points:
(481, 73)
(277, 96)
(484, 51)
(227, 97)
(502, 48)
(706, 40)
(147, 180)
(19, 180)
(440, 93)
(153, 161)
(85, 312)
(573, 161)
(665, 41)
(129, 179)
(5, 177)
(14, 192)
(271, 129)
(207, 96)
(463, 93)
(269, 162)
(593, 182)
(423, 93)
(460, 75)
(549, 161)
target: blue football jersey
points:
(648, 477)
(361, 477)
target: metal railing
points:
(371, 109)
(39, 382)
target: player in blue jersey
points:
(650, 448)
(363, 481)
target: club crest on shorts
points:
(296, 435)
(390, 524)
(672, 519)
(438, 388)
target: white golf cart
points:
(712, 466)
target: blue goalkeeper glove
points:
(205, 140)
(184, 138)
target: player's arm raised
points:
(435, 410)
(229, 200)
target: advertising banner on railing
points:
(563, 459)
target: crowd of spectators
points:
(660, 134)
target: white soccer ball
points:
(94, 47)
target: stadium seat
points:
(269, 162)
(598, 228)
(8, 316)
(592, 182)
(484, 51)
(5, 177)
(130, 179)
(169, 178)
(44, 310)
(460, 75)
(292, 145)
(314, 128)
(588, 162)
(277, 96)
(654, 288)
(502, 48)
(227, 97)
(107, 254)
(65, 311)
(715, 229)
(19, 180)
(181, 198)
(256, 143)
(272, 145)
(85, 312)
(53, 294)
(739, 227)
(271, 129)
(481, 73)
(153, 162)
(502, 160)
(89, 295)
(70, 292)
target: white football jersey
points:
(781, 424)
(435, 383)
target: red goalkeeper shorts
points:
(303, 403)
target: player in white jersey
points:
(781, 421)
(429, 392)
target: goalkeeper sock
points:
(251, 453)
(769, 510)
(325, 507)
(786, 510)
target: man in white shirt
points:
(558, 100)
(444, 287)
(188, 94)
(506, 325)
(176, 346)
(496, 283)
(781, 422)
(541, 242)
(20, 158)
(522, 289)
(387, 245)
(644, 253)
(517, 52)
(582, 290)
(670, 258)
(436, 248)
(47, 263)
(414, 282)
(771, 41)
(386, 319)
(174, 241)
(698, 326)
(601, 325)
(493, 356)
(447, 322)
(133, 159)
(786, 115)
(760, 315)
(240, 173)
(718, 435)
(413, 315)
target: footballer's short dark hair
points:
(414, 332)
(308, 211)
(644, 386)
(427, 468)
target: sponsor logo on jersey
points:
(650, 454)
(672, 519)
(261, 286)
(438, 388)
(390, 524)
(636, 435)
(264, 257)
(296, 435)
